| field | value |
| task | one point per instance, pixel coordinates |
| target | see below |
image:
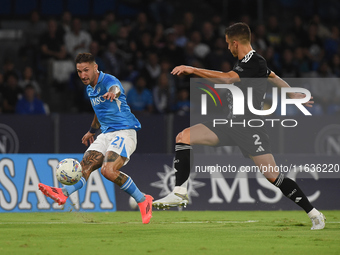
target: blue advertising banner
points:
(21, 173)
(217, 182)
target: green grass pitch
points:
(170, 232)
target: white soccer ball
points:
(133, 204)
(69, 171)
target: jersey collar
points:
(248, 56)
(100, 79)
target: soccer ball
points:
(68, 171)
(132, 203)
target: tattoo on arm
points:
(116, 90)
(121, 179)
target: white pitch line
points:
(221, 222)
(112, 223)
(33, 223)
(164, 222)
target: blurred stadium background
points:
(140, 42)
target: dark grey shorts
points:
(253, 141)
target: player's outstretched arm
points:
(278, 82)
(114, 92)
(88, 138)
(229, 77)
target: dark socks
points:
(183, 162)
(291, 190)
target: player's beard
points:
(86, 81)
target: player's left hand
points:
(109, 96)
(88, 139)
(299, 96)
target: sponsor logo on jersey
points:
(238, 68)
(97, 100)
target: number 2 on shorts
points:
(257, 139)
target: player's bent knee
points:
(103, 170)
(110, 171)
(271, 180)
(179, 137)
(184, 136)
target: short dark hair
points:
(84, 58)
(239, 31)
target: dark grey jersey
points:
(253, 72)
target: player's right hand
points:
(87, 139)
(178, 70)
(109, 96)
(298, 95)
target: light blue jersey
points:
(112, 116)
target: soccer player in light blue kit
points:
(113, 147)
